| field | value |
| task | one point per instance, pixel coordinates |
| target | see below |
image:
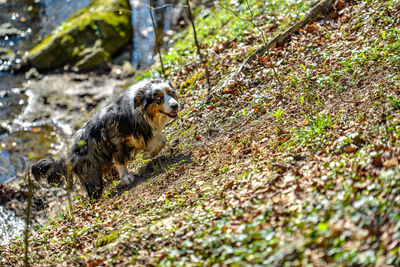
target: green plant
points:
(278, 114)
(317, 126)
(394, 101)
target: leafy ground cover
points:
(301, 174)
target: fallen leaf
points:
(391, 163)
(93, 263)
(312, 27)
(334, 15)
(377, 162)
(341, 4)
(350, 149)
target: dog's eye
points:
(159, 98)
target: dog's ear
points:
(139, 99)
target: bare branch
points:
(264, 38)
(157, 38)
(198, 48)
(28, 218)
(69, 181)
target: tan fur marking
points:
(171, 93)
(160, 94)
(118, 164)
(154, 108)
(135, 143)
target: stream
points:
(30, 129)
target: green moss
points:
(190, 83)
(93, 59)
(107, 239)
(67, 40)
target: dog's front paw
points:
(126, 180)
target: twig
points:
(28, 219)
(265, 43)
(190, 15)
(264, 38)
(68, 184)
(150, 9)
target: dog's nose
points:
(175, 106)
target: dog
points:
(129, 123)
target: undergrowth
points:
(304, 175)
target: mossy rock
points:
(92, 57)
(90, 37)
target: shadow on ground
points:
(154, 167)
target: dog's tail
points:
(52, 170)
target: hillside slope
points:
(300, 173)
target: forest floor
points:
(294, 169)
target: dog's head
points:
(158, 101)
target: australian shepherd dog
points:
(129, 123)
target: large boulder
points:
(88, 38)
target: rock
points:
(6, 54)
(122, 56)
(88, 38)
(128, 69)
(92, 57)
(7, 29)
(3, 130)
(32, 73)
(124, 71)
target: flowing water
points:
(9, 230)
(31, 21)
